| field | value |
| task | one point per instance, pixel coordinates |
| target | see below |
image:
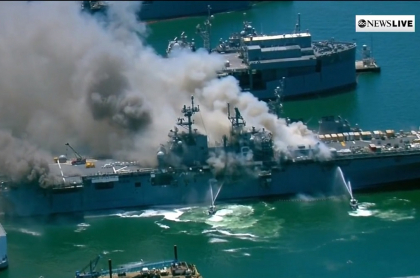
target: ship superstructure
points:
(246, 165)
(181, 43)
(235, 41)
(232, 45)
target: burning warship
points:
(246, 163)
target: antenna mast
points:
(297, 29)
(275, 106)
(188, 112)
(237, 121)
(205, 32)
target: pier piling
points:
(110, 268)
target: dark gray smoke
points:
(22, 162)
(68, 77)
(109, 98)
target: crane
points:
(79, 159)
(92, 269)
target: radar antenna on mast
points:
(188, 112)
(237, 121)
(205, 32)
(275, 106)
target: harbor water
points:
(306, 238)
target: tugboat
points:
(354, 204)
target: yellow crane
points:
(79, 159)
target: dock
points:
(371, 66)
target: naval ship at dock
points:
(246, 164)
(162, 10)
(259, 62)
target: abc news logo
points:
(385, 23)
(362, 23)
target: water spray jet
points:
(354, 204)
(212, 209)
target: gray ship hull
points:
(159, 10)
(326, 80)
(302, 68)
(303, 177)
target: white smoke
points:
(67, 77)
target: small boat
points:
(354, 204)
(212, 210)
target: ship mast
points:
(205, 32)
(275, 106)
(297, 27)
(188, 112)
(237, 121)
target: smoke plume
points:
(67, 77)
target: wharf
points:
(362, 66)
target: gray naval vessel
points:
(245, 164)
(259, 61)
(161, 10)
